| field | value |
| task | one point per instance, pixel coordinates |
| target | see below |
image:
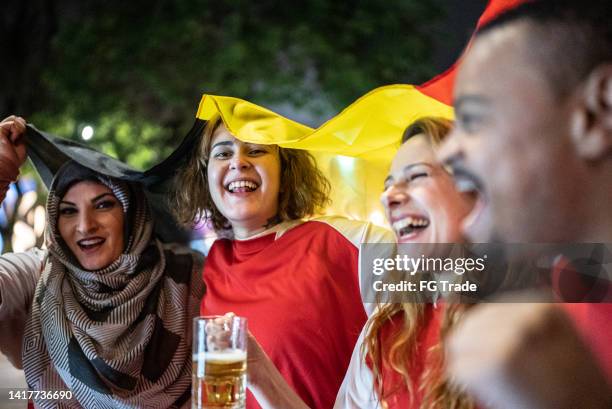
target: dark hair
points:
(70, 174)
(570, 37)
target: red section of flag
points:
(441, 86)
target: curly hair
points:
(400, 349)
(304, 189)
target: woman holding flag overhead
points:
(101, 318)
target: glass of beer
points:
(219, 362)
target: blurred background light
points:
(39, 220)
(28, 200)
(27, 184)
(378, 218)
(346, 163)
(23, 238)
(87, 132)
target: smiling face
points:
(244, 182)
(91, 224)
(511, 143)
(420, 199)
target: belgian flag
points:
(354, 148)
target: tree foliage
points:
(135, 70)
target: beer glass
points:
(219, 362)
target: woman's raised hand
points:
(12, 147)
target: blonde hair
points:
(304, 189)
(437, 392)
(435, 129)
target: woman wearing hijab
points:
(105, 311)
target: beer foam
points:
(228, 355)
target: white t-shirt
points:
(357, 389)
(19, 274)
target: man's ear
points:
(591, 120)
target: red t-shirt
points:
(593, 320)
(395, 392)
(299, 290)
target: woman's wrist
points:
(9, 171)
(273, 392)
(8, 174)
(268, 385)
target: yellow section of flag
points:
(354, 148)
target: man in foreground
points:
(533, 103)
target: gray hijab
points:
(119, 337)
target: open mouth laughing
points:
(90, 244)
(410, 226)
(241, 186)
